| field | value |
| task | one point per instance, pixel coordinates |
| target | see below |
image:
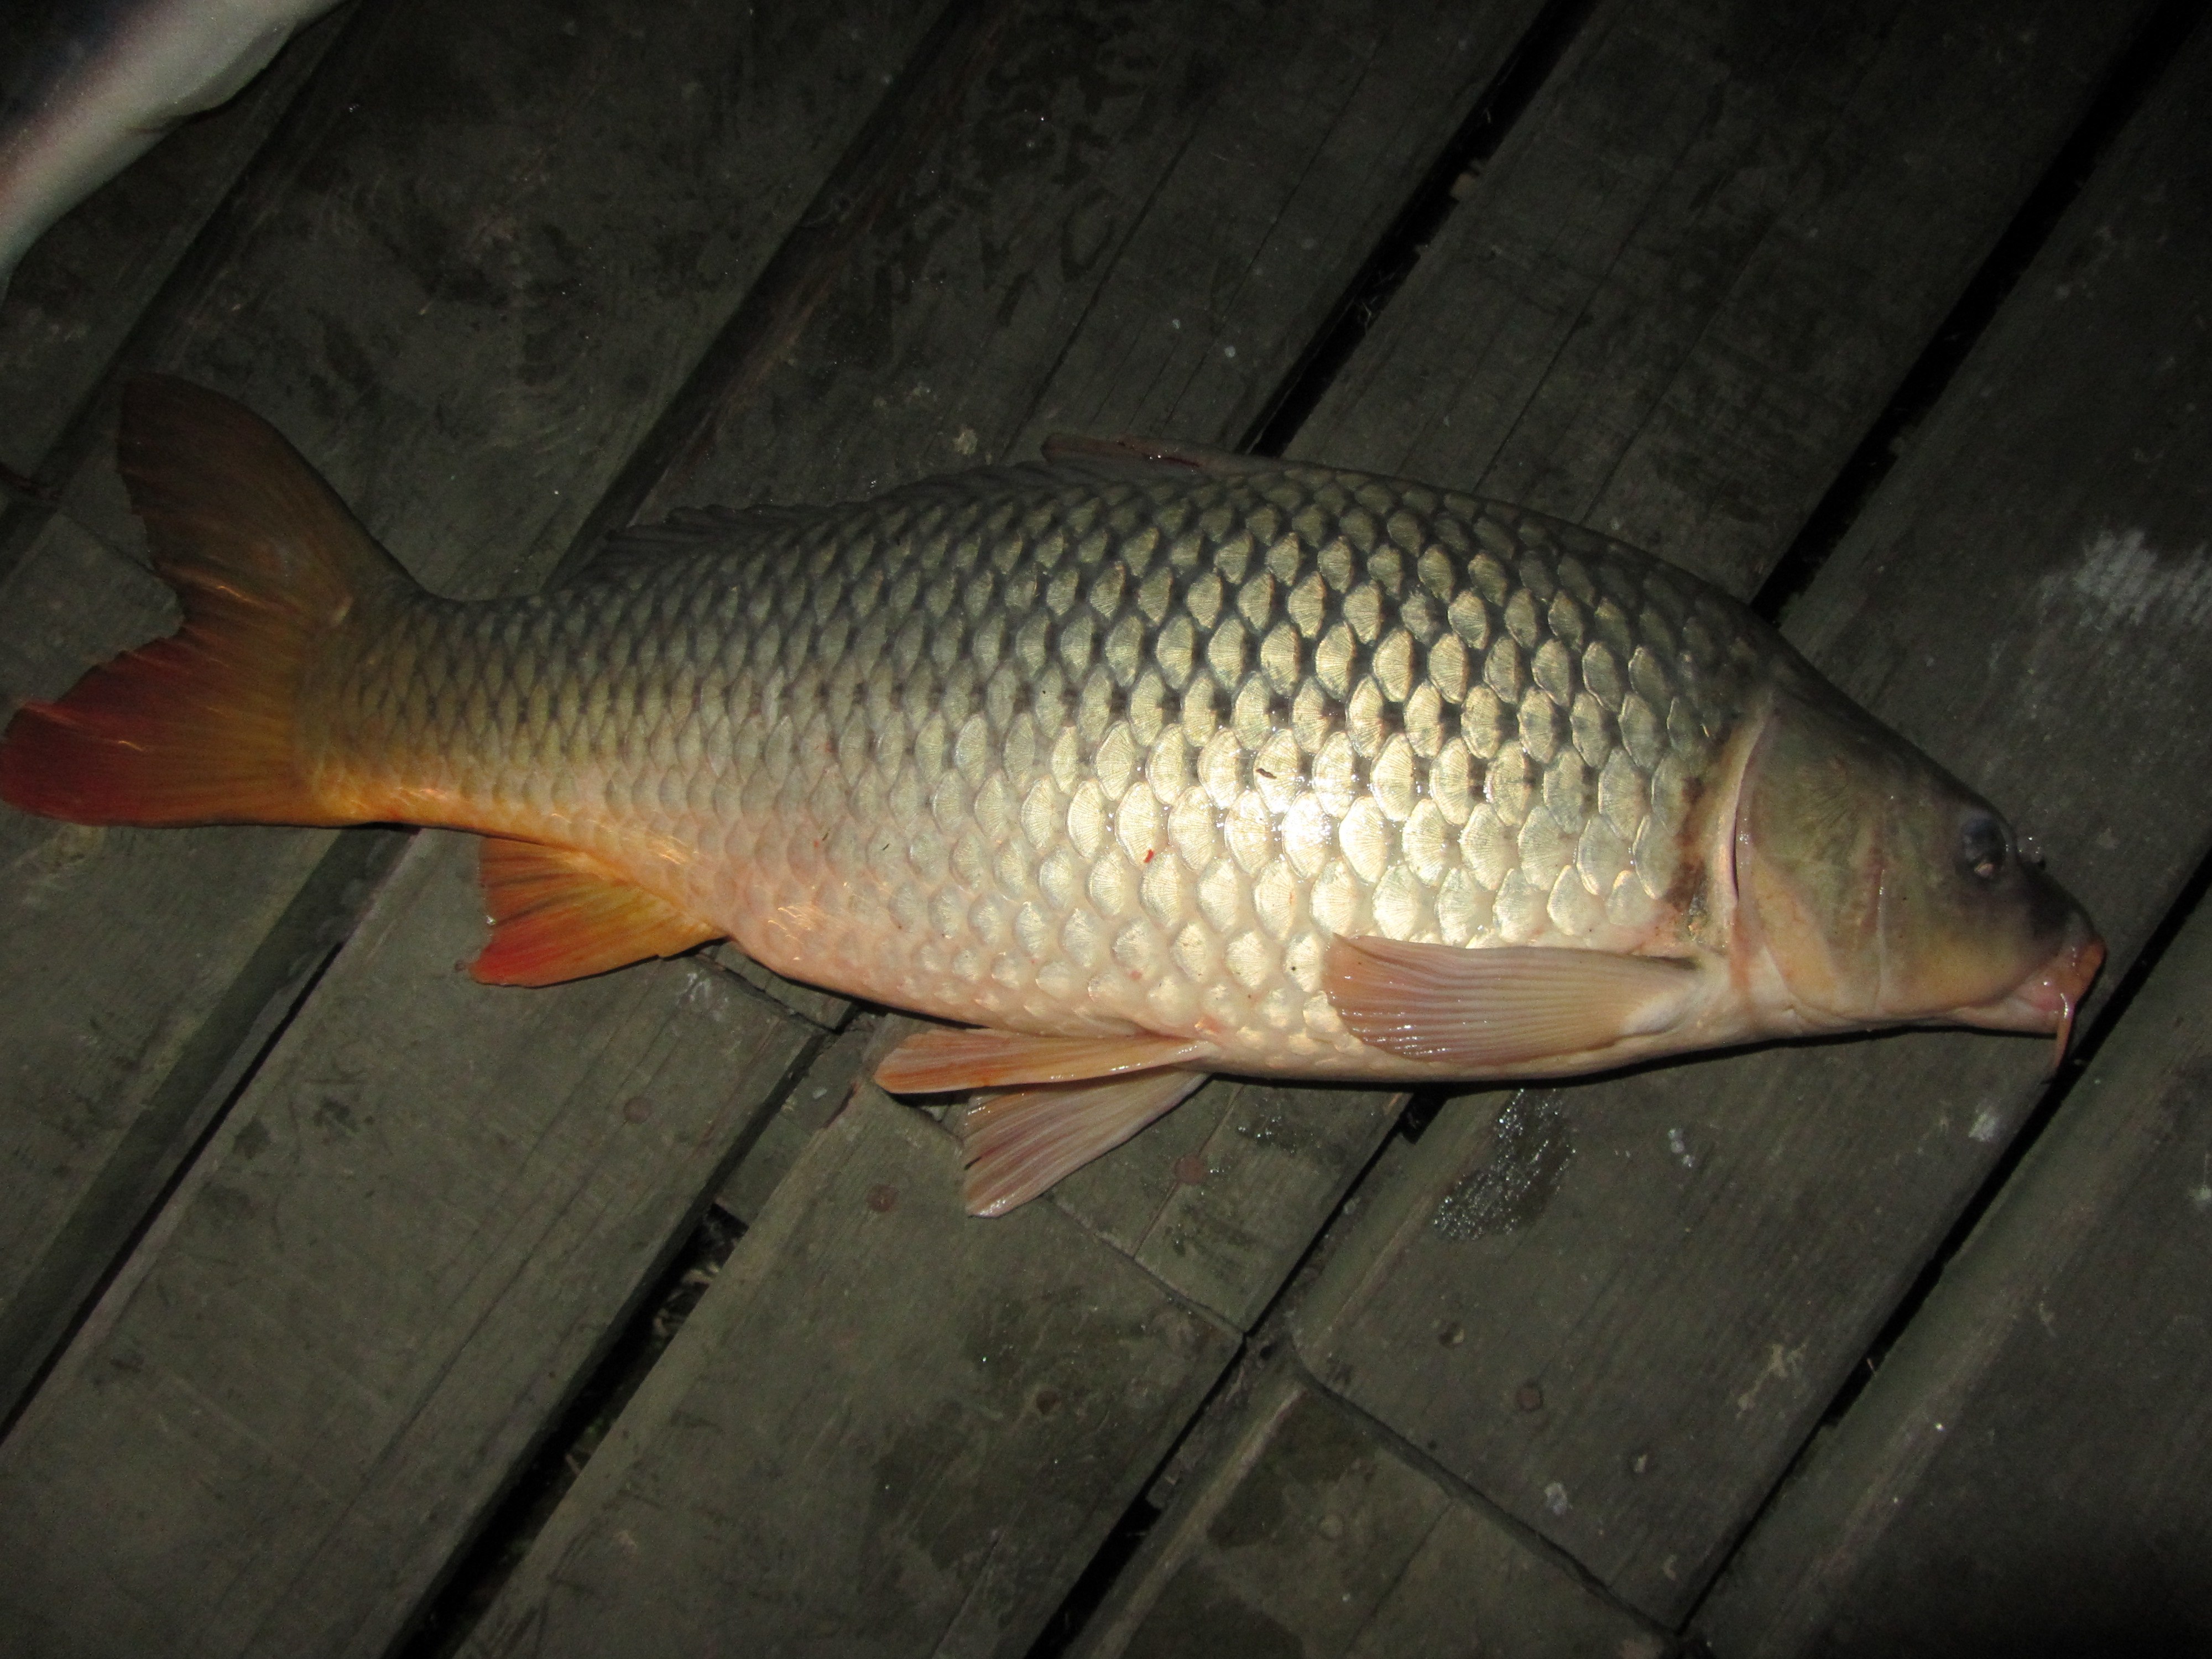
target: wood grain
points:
(1707, 255)
(2031, 1467)
(1310, 1538)
(831, 1461)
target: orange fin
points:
(1018, 1145)
(1507, 1006)
(560, 915)
(197, 728)
(960, 1057)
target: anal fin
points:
(1500, 1005)
(1020, 1144)
(560, 915)
(959, 1057)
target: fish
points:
(108, 79)
(1134, 765)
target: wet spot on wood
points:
(1511, 1190)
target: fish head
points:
(1872, 889)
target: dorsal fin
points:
(1150, 456)
(1067, 457)
(557, 915)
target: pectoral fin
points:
(1018, 1145)
(560, 915)
(929, 1062)
(1507, 1006)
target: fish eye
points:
(1983, 847)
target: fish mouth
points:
(2048, 999)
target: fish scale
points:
(1062, 750)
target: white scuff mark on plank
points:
(2122, 580)
(46, 865)
(1985, 1125)
(1555, 1498)
(1783, 1365)
(2200, 1196)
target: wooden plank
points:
(827, 1462)
(364, 1303)
(85, 283)
(493, 244)
(1698, 1256)
(1310, 1538)
(1221, 1199)
(2031, 1469)
(1687, 285)
(813, 1101)
(811, 1004)
(1136, 225)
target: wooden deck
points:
(347, 1307)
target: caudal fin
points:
(200, 727)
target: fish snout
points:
(2050, 997)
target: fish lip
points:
(2048, 999)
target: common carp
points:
(1141, 763)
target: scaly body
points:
(1074, 752)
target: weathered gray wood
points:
(2031, 1470)
(1697, 1256)
(492, 262)
(1706, 256)
(812, 1005)
(1310, 1538)
(1222, 1199)
(85, 283)
(810, 1103)
(887, 1429)
(366, 1298)
(1135, 224)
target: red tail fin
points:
(200, 727)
